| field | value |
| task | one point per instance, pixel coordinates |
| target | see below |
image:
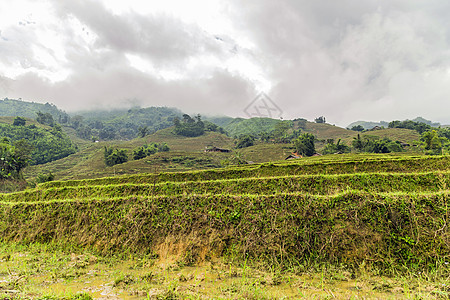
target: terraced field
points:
(388, 213)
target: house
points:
(215, 149)
(376, 128)
(293, 155)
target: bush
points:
(331, 147)
(115, 156)
(149, 149)
(41, 178)
(19, 121)
(245, 141)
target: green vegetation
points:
(149, 149)
(372, 144)
(304, 145)
(357, 128)
(48, 144)
(45, 119)
(320, 119)
(192, 127)
(398, 221)
(122, 124)
(13, 158)
(382, 124)
(115, 156)
(339, 147)
(245, 141)
(188, 126)
(254, 126)
(420, 127)
(13, 108)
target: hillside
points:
(323, 132)
(48, 143)
(254, 126)
(365, 218)
(369, 125)
(185, 154)
(14, 108)
(123, 124)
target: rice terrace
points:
(348, 226)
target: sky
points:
(346, 60)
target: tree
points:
(304, 144)
(357, 128)
(320, 119)
(76, 121)
(432, 142)
(149, 149)
(19, 121)
(143, 131)
(189, 127)
(13, 158)
(358, 143)
(245, 141)
(45, 118)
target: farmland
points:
(303, 227)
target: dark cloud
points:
(346, 60)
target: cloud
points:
(161, 38)
(222, 93)
(346, 60)
(353, 59)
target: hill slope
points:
(381, 210)
(13, 108)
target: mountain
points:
(370, 125)
(123, 124)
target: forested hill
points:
(369, 125)
(14, 108)
(47, 143)
(123, 124)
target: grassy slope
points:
(89, 163)
(326, 131)
(187, 153)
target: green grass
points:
(391, 231)
(311, 184)
(332, 164)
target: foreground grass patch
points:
(40, 271)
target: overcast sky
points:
(347, 60)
